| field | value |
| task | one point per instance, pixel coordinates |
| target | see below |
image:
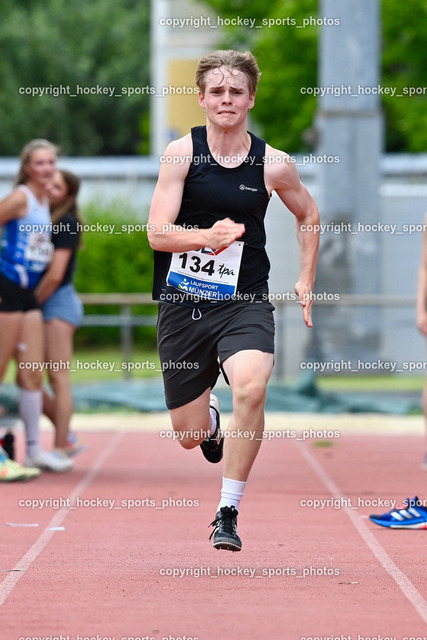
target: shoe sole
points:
(214, 403)
(46, 468)
(419, 525)
(22, 478)
(229, 546)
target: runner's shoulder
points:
(180, 145)
(177, 157)
(279, 165)
(276, 157)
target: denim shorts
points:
(65, 305)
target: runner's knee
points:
(187, 432)
(250, 392)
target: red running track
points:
(118, 570)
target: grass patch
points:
(105, 365)
(372, 383)
(322, 444)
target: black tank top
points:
(213, 192)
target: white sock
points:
(30, 410)
(213, 421)
(231, 493)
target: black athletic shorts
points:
(191, 340)
(15, 298)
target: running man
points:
(206, 227)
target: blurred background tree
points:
(68, 42)
(57, 42)
(109, 263)
(287, 57)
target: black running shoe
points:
(213, 446)
(225, 530)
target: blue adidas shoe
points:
(412, 514)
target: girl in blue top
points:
(26, 251)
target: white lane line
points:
(402, 580)
(25, 562)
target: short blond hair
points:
(244, 62)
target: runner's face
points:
(41, 166)
(57, 189)
(226, 99)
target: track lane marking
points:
(401, 579)
(11, 580)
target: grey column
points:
(349, 126)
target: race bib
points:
(38, 252)
(208, 274)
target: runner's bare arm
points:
(13, 206)
(281, 176)
(163, 234)
(422, 289)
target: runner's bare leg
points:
(248, 373)
(192, 420)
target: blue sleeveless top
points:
(26, 249)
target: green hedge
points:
(111, 262)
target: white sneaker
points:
(55, 461)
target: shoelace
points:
(224, 521)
